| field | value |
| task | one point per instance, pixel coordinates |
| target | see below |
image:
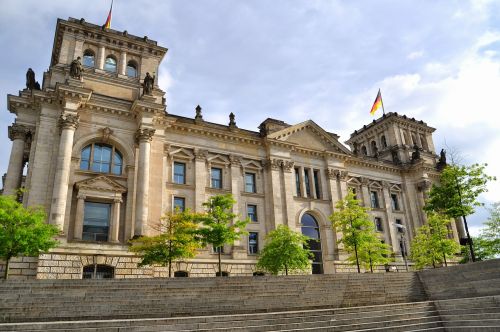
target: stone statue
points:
(355, 146)
(395, 156)
(442, 157)
(76, 69)
(148, 84)
(198, 115)
(416, 154)
(30, 79)
(375, 151)
(232, 123)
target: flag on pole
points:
(107, 25)
(377, 104)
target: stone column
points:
(17, 133)
(303, 182)
(333, 187)
(390, 217)
(80, 208)
(343, 184)
(365, 191)
(288, 183)
(423, 189)
(100, 58)
(115, 222)
(275, 187)
(312, 184)
(200, 182)
(122, 65)
(68, 122)
(236, 180)
(144, 137)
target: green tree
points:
(177, 240)
(285, 251)
(457, 192)
(432, 244)
(23, 231)
(219, 224)
(487, 244)
(358, 233)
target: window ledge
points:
(111, 175)
(249, 194)
(218, 190)
(180, 186)
(310, 199)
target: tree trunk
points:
(170, 267)
(444, 257)
(6, 272)
(357, 259)
(469, 239)
(286, 270)
(371, 265)
(220, 264)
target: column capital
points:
(69, 121)
(288, 165)
(81, 196)
(17, 131)
(200, 154)
(235, 160)
(274, 164)
(144, 134)
(117, 200)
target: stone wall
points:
(20, 268)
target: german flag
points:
(107, 25)
(377, 103)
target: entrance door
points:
(310, 228)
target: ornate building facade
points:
(97, 147)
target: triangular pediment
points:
(309, 135)
(218, 159)
(182, 153)
(101, 183)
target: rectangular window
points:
(96, 219)
(316, 183)
(378, 224)
(252, 212)
(216, 178)
(179, 203)
(253, 243)
(297, 182)
(399, 226)
(250, 183)
(308, 184)
(179, 173)
(395, 202)
(374, 199)
(218, 249)
(354, 192)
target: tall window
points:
(252, 212)
(364, 151)
(308, 184)
(383, 141)
(218, 249)
(310, 228)
(378, 224)
(250, 183)
(395, 202)
(101, 158)
(110, 64)
(96, 218)
(179, 203)
(88, 58)
(179, 173)
(216, 177)
(253, 243)
(399, 225)
(131, 69)
(316, 183)
(297, 182)
(354, 192)
(374, 199)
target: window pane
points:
(395, 203)
(131, 70)
(310, 232)
(250, 182)
(88, 59)
(216, 176)
(308, 220)
(374, 199)
(86, 153)
(253, 243)
(110, 65)
(180, 173)
(308, 185)
(316, 184)
(252, 212)
(84, 164)
(297, 182)
(179, 203)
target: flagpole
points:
(382, 102)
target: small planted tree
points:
(177, 240)
(219, 226)
(358, 233)
(432, 244)
(23, 231)
(457, 192)
(285, 251)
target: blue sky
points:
(438, 61)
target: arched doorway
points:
(310, 228)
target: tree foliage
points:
(358, 233)
(23, 231)
(487, 244)
(219, 224)
(432, 245)
(458, 189)
(177, 240)
(285, 251)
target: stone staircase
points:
(342, 302)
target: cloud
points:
(415, 55)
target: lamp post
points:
(402, 229)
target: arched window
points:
(98, 271)
(110, 64)
(132, 69)
(364, 151)
(374, 146)
(310, 228)
(383, 141)
(180, 274)
(101, 158)
(89, 58)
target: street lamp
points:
(402, 229)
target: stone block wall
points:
(20, 268)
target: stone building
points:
(101, 152)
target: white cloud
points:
(415, 55)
